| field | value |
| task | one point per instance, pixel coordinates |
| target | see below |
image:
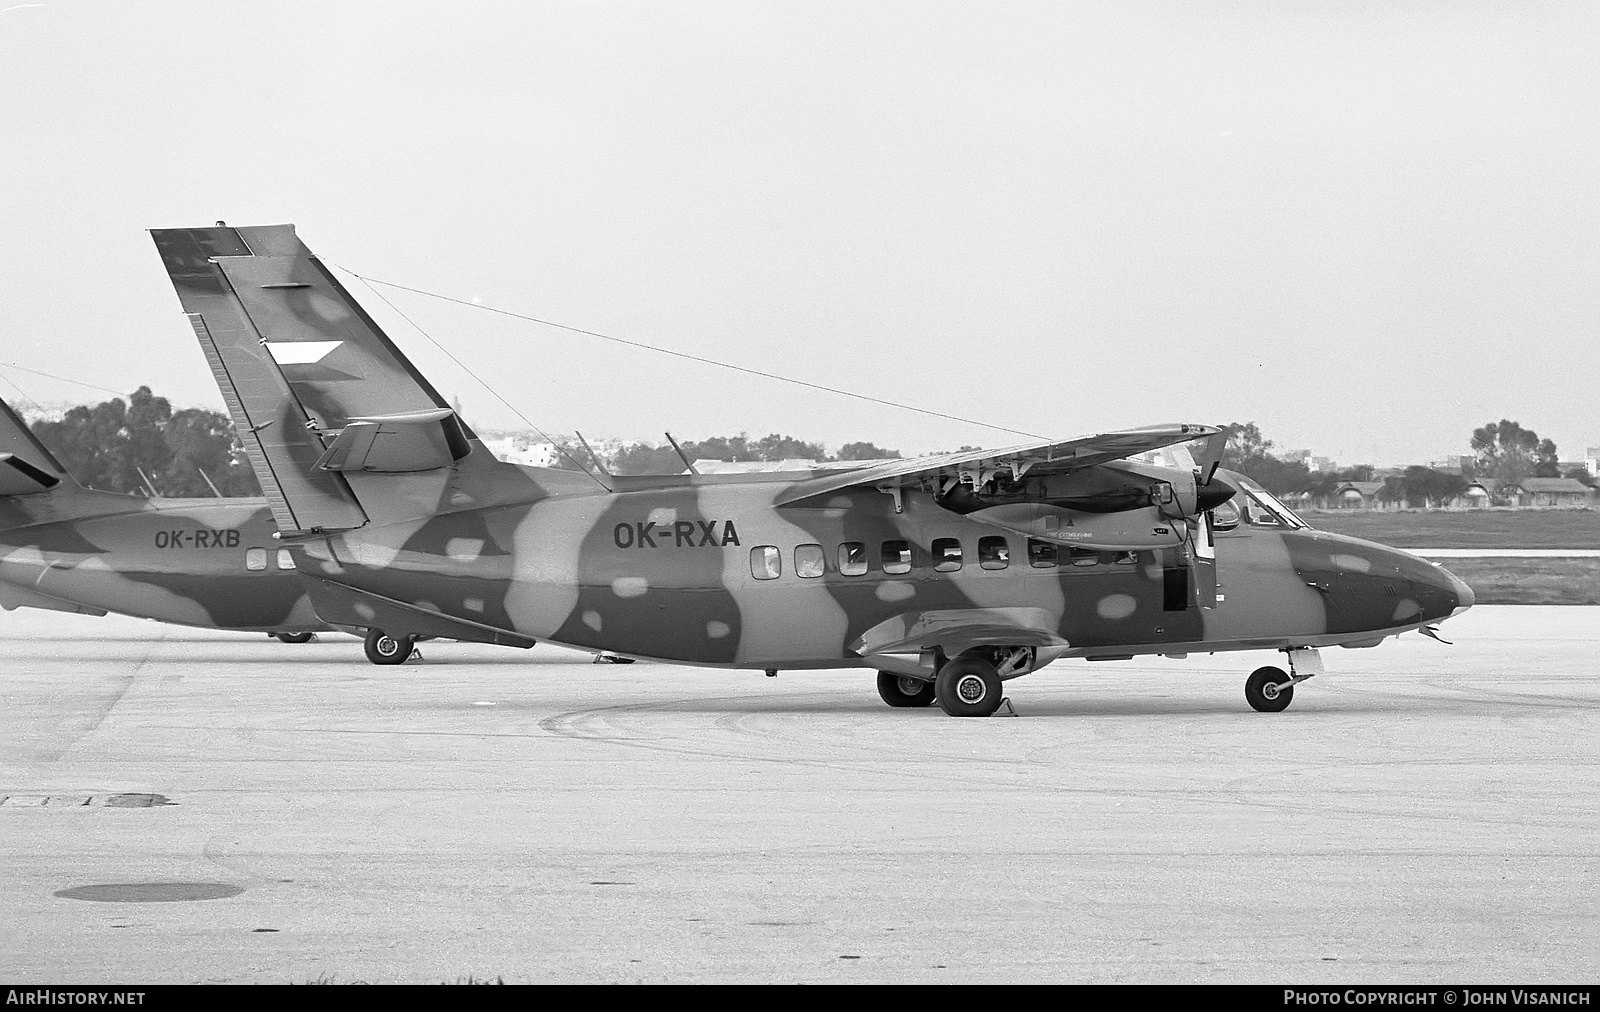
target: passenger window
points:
(994, 552)
(853, 558)
(1041, 554)
(896, 557)
(1083, 556)
(255, 558)
(766, 562)
(808, 561)
(946, 555)
(285, 559)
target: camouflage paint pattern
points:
(67, 548)
(663, 567)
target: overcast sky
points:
(1367, 227)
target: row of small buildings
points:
(1529, 493)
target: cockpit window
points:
(1262, 510)
(1285, 513)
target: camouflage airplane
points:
(196, 562)
(947, 575)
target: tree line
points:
(142, 445)
(1504, 451)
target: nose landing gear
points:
(1271, 690)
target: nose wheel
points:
(1269, 690)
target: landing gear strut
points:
(383, 648)
(903, 690)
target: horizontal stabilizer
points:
(18, 477)
(411, 441)
(26, 465)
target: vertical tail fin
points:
(319, 394)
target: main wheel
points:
(968, 687)
(385, 649)
(1262, 693)
(903, 690)
(299, 637)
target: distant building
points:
(519, 450)
(1591, 460)
(1547, 492)
(1323, 464)
(1453, 463)
(1355, 495)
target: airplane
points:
(210, 563)
(947, 575)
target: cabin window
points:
(285, 559)
(946, 555)
(255, 558)
(808, 561)
(853, 558)
(766, 562)
(1041, 554)
(896, 557)
(994, 552)
(1083, 556)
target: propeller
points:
(1202, 461)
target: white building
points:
(518, 449)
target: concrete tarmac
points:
(1421, 813)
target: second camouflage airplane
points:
(946, 575)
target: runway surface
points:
(1421, 813)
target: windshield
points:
(1262, 509)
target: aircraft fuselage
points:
(710, 572)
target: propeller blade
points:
(1204, 550)
(1209, 457)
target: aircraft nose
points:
(1442, 593)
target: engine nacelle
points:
(1142, 529)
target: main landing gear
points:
(1271, 690)
(904, 690)
(294, 637)
(968, 686)
(383, 648)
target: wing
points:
(975, 467)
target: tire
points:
(968, 687)
(1257, 686)
(903, 690)
(382, 648)
(296, 637)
